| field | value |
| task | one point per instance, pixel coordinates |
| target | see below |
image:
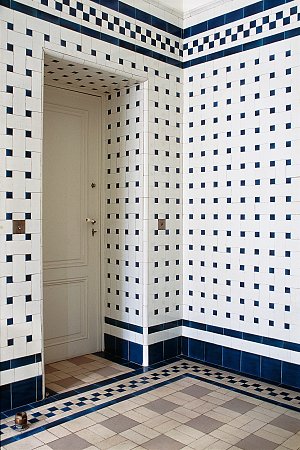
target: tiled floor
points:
(81, 371)
(181, 405)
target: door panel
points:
(70, 253)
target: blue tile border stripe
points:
(125, 397)
(142, 16)
(232, 16)
(20, 362)
(265, 340)
(99, 35)
(156, 22)
(243, 47)
(123, 325)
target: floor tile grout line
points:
(88, 411)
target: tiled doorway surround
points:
(179, 405)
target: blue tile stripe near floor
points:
(84, 401)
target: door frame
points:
(100, 185)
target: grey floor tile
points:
(163, 443)
(253, 442)
(68, 382)
(287, 423)
(107, 371)
(238, 405)
(204, 424)
(196, 391)
(161, 406)
(78, 360)
(119, 423)
(71, 442)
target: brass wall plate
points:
(161, 224)
(18, 226)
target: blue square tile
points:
(291, 374)
(232, 358)
(185, 346)
(213, 353)
(271, 369)
(196, 349)
(122, 348)
(109, 343)
(5, 397)
(23, 392)
(171, 348)
(135, 353)
(250, 364)
(156, 352)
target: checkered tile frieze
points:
(277, 20)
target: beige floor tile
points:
(293, 443)
(195, 434)
(78, 424)
(180, 437)
(156, 421)
(226, 437)
(123, 406)
(219, 445)
(134, 436)
(263, 433)
(60, 431)
(146, 431)
(234, 431)
(276, 430)
(111, 442)
(253, 425)
(126, 445)
(203, 443)
(46, 436)
(178, 417)
(28, 443)
(102, 431)
(133, 414)
(217, 416)
(166, 426)
(90, 436)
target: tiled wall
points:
(241, 227)
(210, 131)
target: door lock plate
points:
(161, 224)
(18, 226)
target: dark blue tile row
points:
(19, 362)
(163, 350)
(142, 16)
(33, 12)
(210, 329)
(19, 393)
(232, 16)
(270, 369)
(123, 349)
(243, 47)
(164, 326)
(242, 335)
(124, 325)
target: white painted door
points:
(71, 253)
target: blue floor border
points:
(134, 394)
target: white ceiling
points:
(184, 5)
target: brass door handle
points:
(92, 221)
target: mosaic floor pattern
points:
(180, 405)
